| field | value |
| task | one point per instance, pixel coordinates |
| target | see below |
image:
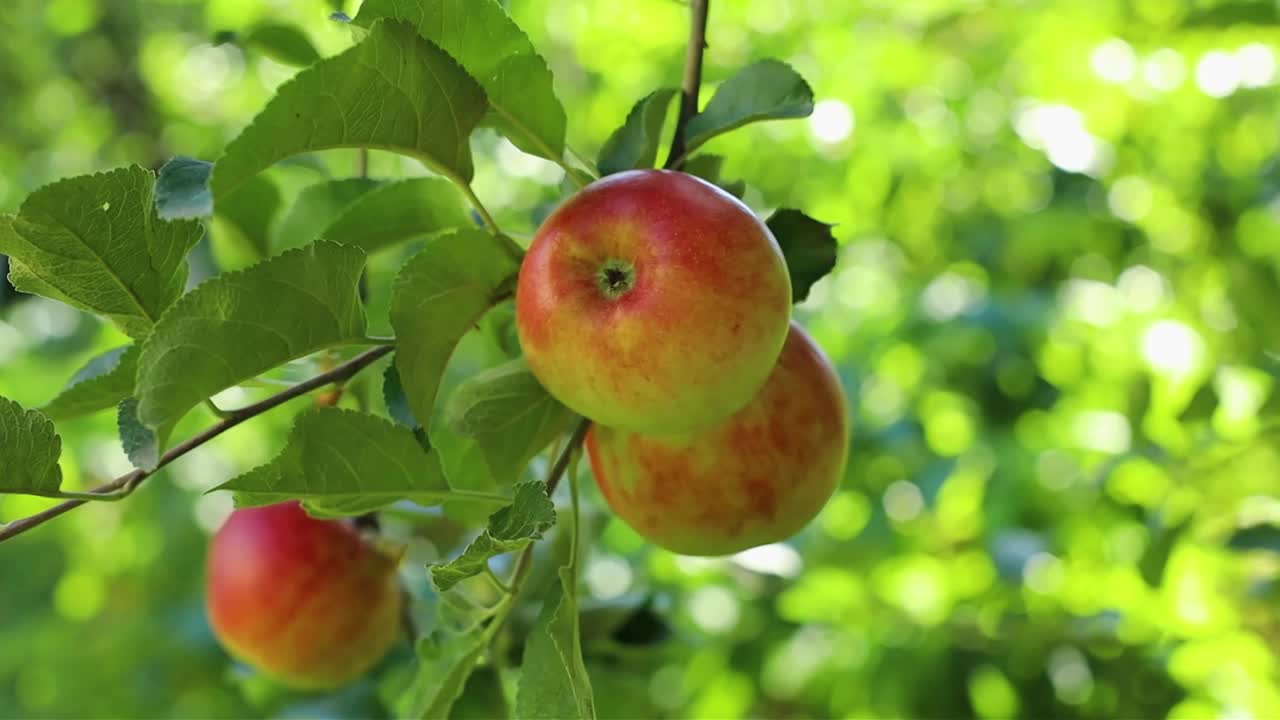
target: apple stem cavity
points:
(616, 278)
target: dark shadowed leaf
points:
(182, 188)
(283, 43)
(763, 90)
(1257, 537)
(251, 209)
(141, 444)
(808, 246)
(708, 167)
(635, 143)
(399, 211)
(316, 207)
(238, 325)
(394, 91)
(97, 243)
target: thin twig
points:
(553, 479)
(692, 80)
(131, 480)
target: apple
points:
(306, 601)
(756, 478)
(653, 301)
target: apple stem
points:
(691, 82)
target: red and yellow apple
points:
(306, 601)
(653, 301)
(756, 478)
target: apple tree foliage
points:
(419, 78)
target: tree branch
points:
(692, 80)
(553, 479)
(126, 483)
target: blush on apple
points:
(653, 301)
(306, 601)
(755, 478)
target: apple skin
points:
(653, 301)
(756, 478)
(306, 601)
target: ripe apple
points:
(653, 301)
(307, 601)
(756, 478)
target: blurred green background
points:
(1054, 314)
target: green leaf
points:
(251, 209)
(1257, 537)
(283, 43)
(635, 144)
(182, 192)
(530, 514)
(567, 638)
(808, 246)
(544, 692)
(509, 414)
(102, 383)
(707, 167)
(438, 296)
(497, 53)
(238, 325)
(446, 660)
(763, 90)
(316, 207)
(394, 91)
(97, 243)
(182, 189)
(397, 212)
(29, 450)
(141, 444)
(344, 462)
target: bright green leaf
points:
(283, 43)
(344, 462)
(497, 53)
(102, 383)
(509, 414)
(763, 90)
(530, 514)
(635, 143)
(96, 242)
(808, 246)
(438, 296)
(238, 325)
(394, 91)
(29, 450)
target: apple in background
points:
(756, 478)
(653, 301)
(306, 601)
